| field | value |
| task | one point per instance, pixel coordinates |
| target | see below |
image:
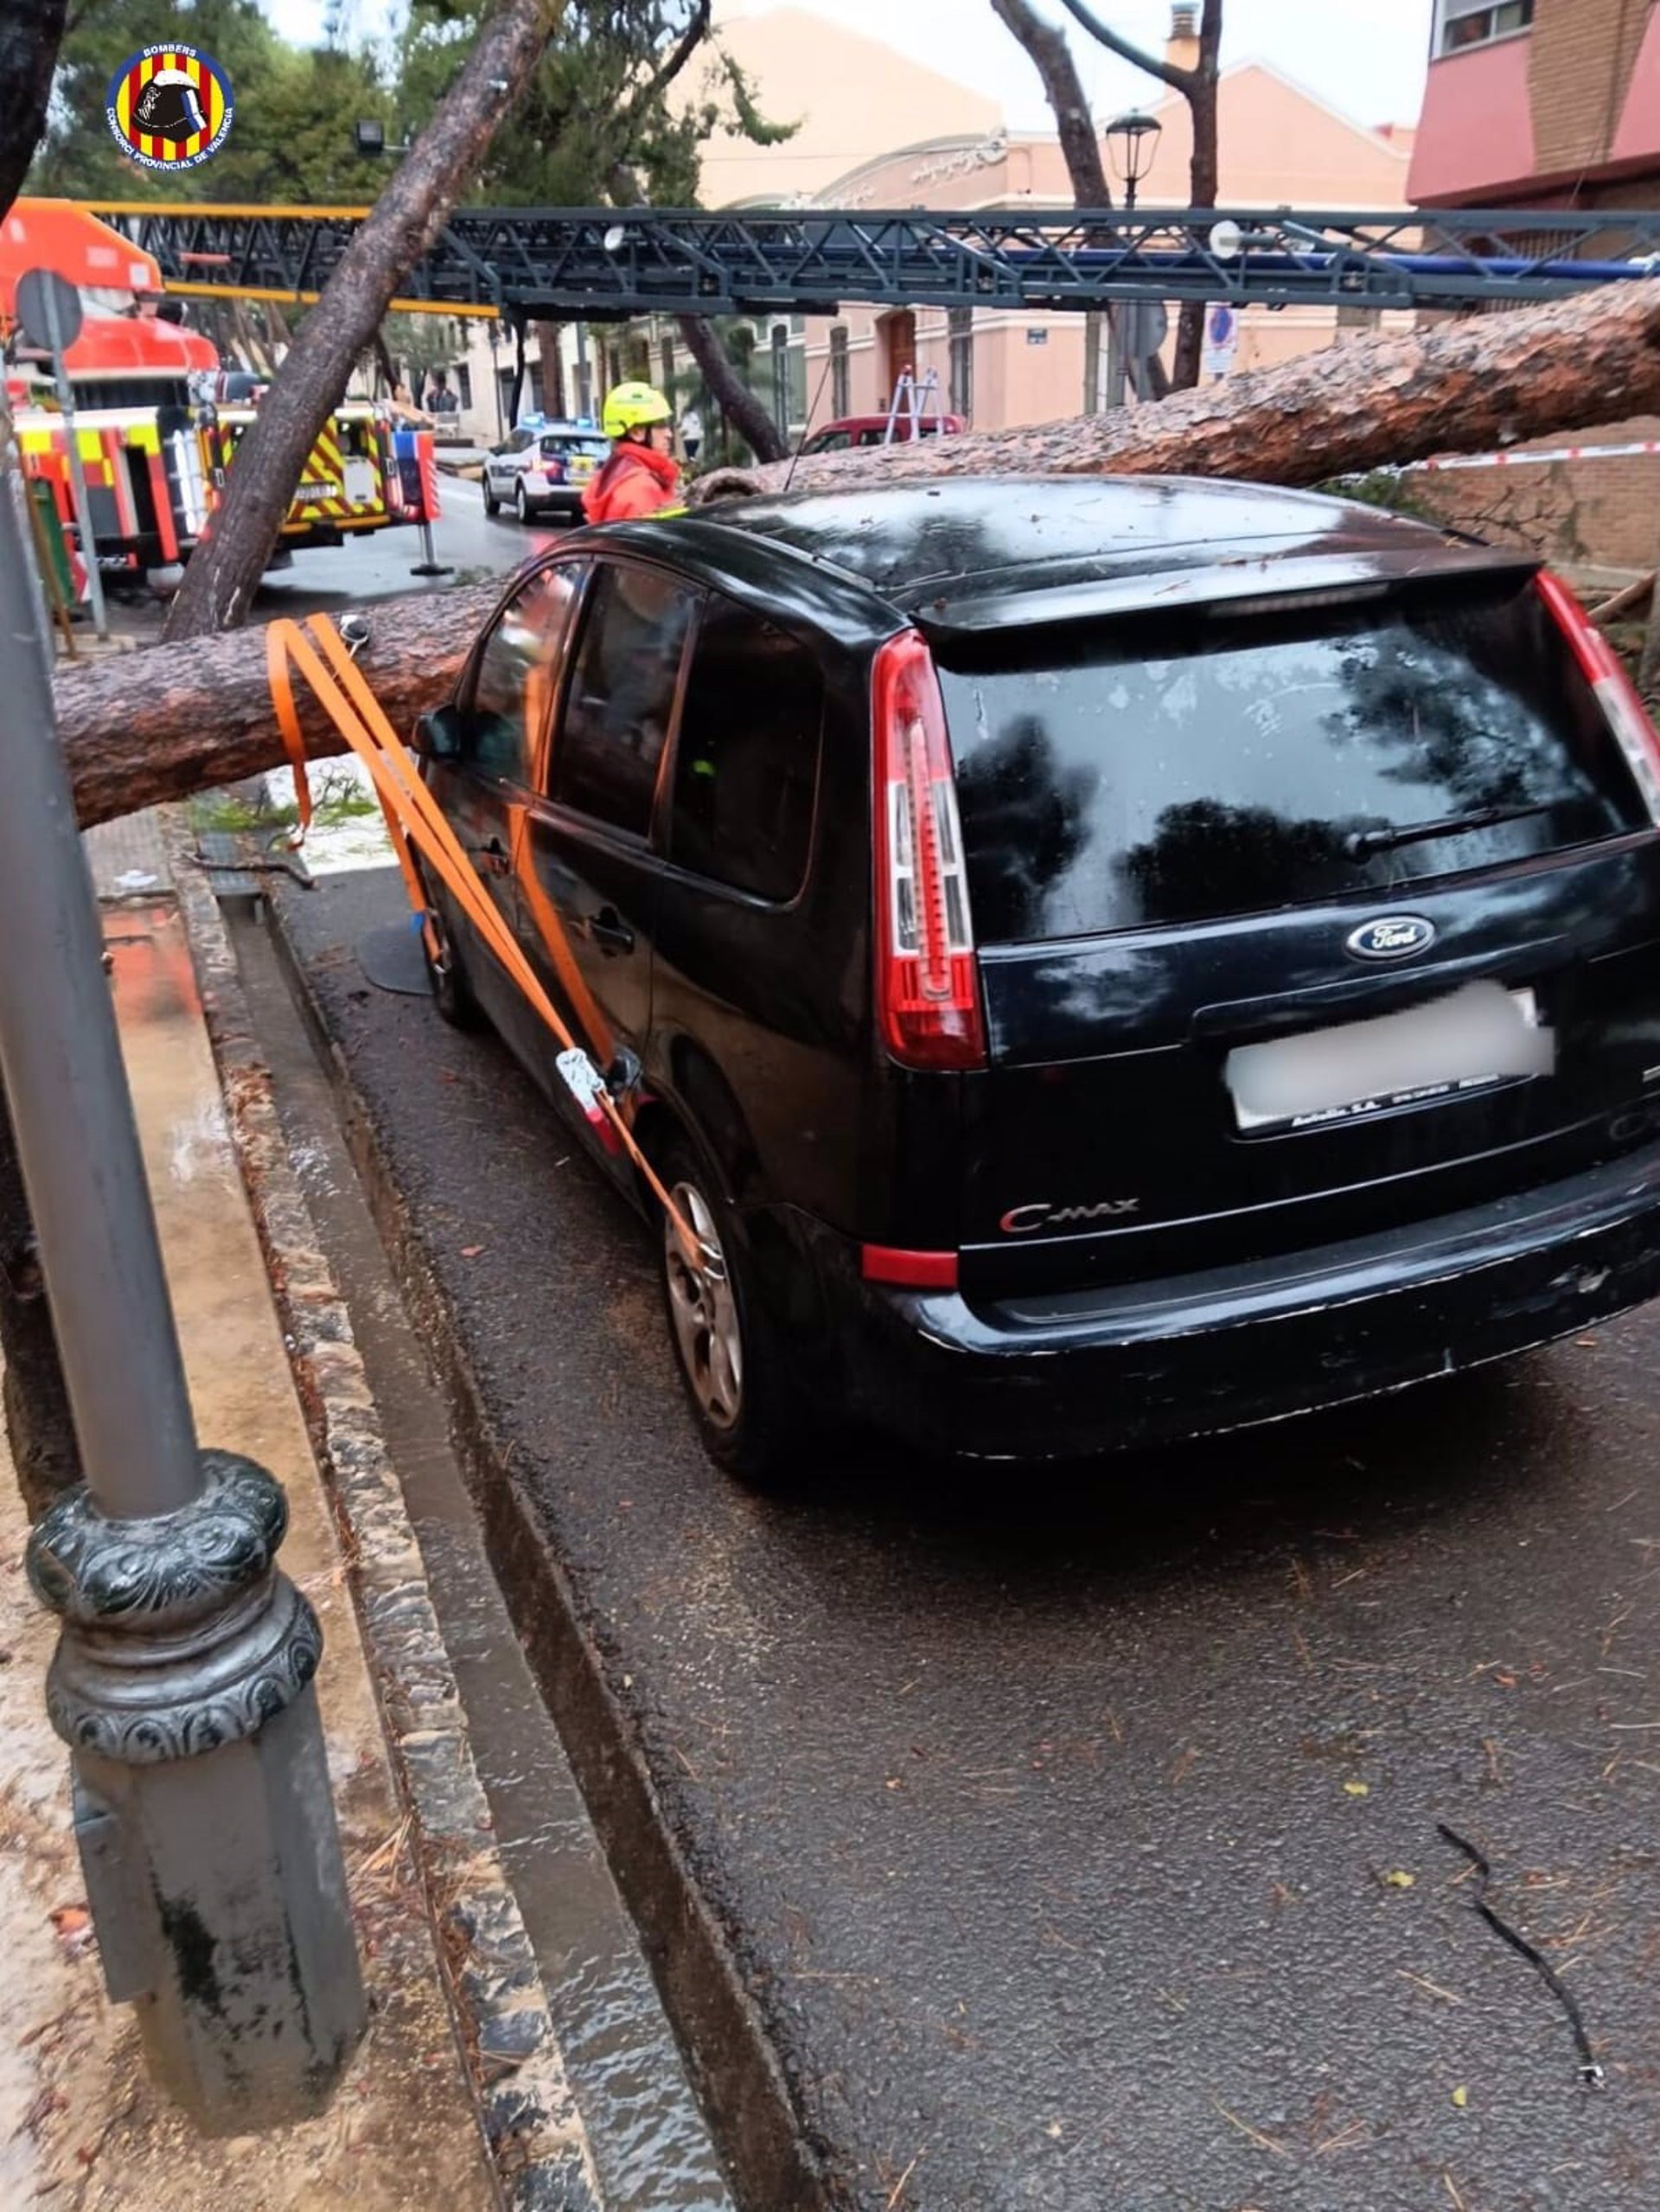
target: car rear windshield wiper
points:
(1360, 842)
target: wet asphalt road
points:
(1072, 1836)
(468, 542)
(325, 579)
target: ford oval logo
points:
(1396, 936)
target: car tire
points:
(747, 1409)
(522, 505)
(492, 504)
(452, 990)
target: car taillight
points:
(926, 978)
(908, 1270)
(1616, 693)
(554, 471)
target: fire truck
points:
(158, 419)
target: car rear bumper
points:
(1151, 1363)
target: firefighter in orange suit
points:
(641, 476)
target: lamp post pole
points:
(183, 1679)
(1131, 143)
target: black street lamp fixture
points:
(371, 136)
(1131, 143)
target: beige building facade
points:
(879, 132)
(1281, 146)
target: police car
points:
(543, 468)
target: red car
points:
(876, 430)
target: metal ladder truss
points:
(610, 264)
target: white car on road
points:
(543, 469)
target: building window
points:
(464, 376)
(960, 322)
(841, 396)
(1459, 23)
(534, 379)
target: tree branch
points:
(225, 569)
(28, 52)
(1047, 49)
(691, 38)
(1115, 42)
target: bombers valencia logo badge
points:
(169, 107)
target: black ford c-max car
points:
(1097, 961)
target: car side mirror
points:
(436, 736)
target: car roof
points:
(968, 554)
(918, 538)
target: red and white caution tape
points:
(1537, 457)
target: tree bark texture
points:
(742, 408)
(1047, 49)
(223, 572)
(1199, 87)
(29, 36)
(547, 338)
(201, 715)
(1201, 92)
(1468, 385)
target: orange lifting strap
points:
(413, 819)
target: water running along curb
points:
(539, 2147)
(738, 2075)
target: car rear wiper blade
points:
(1360, 842)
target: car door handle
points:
(493, 859)
(609, 930)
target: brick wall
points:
(1582, 514)
(1580, 60)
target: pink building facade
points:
(1281, 145)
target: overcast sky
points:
(1364, 56)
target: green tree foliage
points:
(638, 82)
(292, 138)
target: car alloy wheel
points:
(708, 1333)
(520, 502)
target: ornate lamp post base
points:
(183, 1684)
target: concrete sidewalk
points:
(81, 2124)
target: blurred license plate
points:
(582, 466)
(1477, 1037)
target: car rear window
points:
(1157, 771)
(561, 447)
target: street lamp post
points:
(1132, 145)
(183, 1679)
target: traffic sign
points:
(1221, 340)
(48, 310)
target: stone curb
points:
(537, 2141)
(734, 2071)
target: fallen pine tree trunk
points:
(1467, 386)
(177, 719)
(140, 728)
